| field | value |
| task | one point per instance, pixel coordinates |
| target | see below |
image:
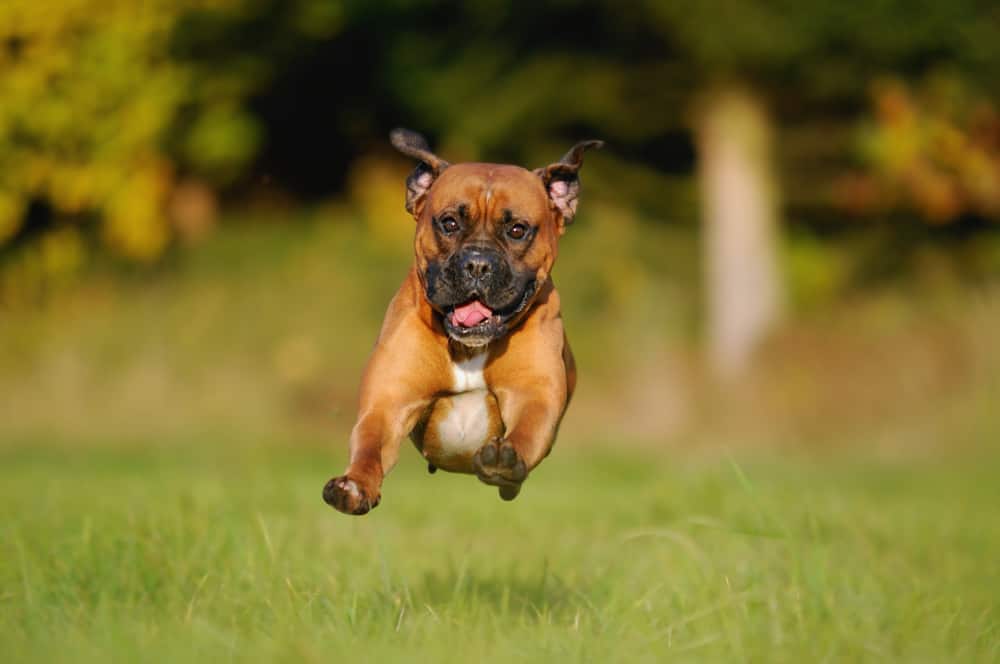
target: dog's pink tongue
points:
(471, 314)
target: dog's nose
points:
(477, 265)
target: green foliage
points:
(935, 150)
(817, 271)
(91, 96)
(87, 97)
(830, 47)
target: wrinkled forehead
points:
(488, 190)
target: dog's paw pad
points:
(511, 464)
(345, 495)
(498, 463)
(508, 456)
(488, 454)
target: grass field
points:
(196, 552)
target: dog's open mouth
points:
(471, 314)
(476, 323)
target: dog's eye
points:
(449, 225)
(517, 231)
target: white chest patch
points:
(466, 426)
(468, 374)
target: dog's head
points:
(487, 234)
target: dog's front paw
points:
(497, 463)
(348, 496)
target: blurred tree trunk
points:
(739, 203)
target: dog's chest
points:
(467, 374)
(457, 425)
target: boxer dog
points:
(472, 361)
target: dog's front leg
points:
(375, 442)
(532, 418)
(402, 377)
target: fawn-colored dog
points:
(472, 361)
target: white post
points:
(739, 203)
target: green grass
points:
(202, 553)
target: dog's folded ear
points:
(562, 179)
(420, 180)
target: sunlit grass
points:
(181, 553)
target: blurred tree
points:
(739, 213)
(934, 150)
(90, 100)
(791, 53)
